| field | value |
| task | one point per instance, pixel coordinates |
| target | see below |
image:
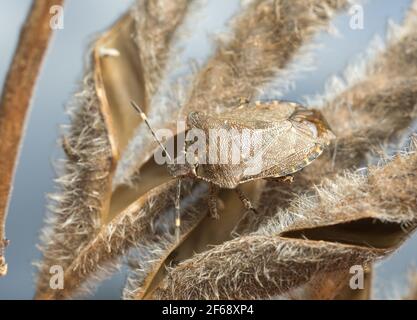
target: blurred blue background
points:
(61, 74)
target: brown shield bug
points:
(268, 139)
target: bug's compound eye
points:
(194, 118)
(194, 115)
(200, 170)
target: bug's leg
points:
(288, 179)
(246, 202)
(244, 101)
(212, 201)
(69, 151)
(178, 211)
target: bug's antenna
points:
(178, 193)
(145, 119)
(178, 212)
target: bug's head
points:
(195, 119)
(181, 170)
(313, 124)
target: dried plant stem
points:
(15, 100)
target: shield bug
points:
(262, 140)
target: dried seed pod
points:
(263, 43)
(133, 226)
(352, 220)
(85, 186)
(256, 267)
(101, 125)
(375, 107)
(146, 277)
(156, 24)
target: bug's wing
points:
(251, 134)
(293, 138)
(284, 149)
(283, 138)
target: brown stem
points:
(15, 100)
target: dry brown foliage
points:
(306, 234)
(92, 217)
(350, 220)
(88, 213)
